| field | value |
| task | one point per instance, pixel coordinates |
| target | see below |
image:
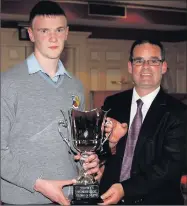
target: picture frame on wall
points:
(23, 33)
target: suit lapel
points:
(151, 121)
(127, 107)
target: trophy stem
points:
(83, 177)
(84, 155)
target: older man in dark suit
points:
(147, 165)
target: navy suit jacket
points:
(159, 153)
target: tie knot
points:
(139, 103)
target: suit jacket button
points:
(134, 172)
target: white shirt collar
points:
(34, 66)
(147, 99)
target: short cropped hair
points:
(43, 8)
(153, 42)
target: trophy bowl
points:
(86, 138)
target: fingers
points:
(63, 183)
(118, 131)
(62, 199)
(113, 195)
(53, 189)
(124, 125)
(91, 164)
(109, 201)
(74, 181)
(107, 194)
(77, 157)
(92, 157)
(92, 170)
(100, 173)
(109, 123)
(98, 176)
(108, 197)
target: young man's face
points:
(147, 75)
(49, 34)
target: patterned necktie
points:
(131, 142)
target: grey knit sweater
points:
(31, 146)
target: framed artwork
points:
(23, 34)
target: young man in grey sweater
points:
(35, 163)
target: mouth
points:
(146, 75)
(53, 47)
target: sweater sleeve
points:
(14, 169)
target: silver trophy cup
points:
(85, 137)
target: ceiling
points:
(140, 14)
(168, 3)
(171, 4)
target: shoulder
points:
(175, 104)
(176, 108)
(119, 96)
(74, 82)
(11, 78)
(118, 101)
(15, 72)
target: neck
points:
(48, 65)
(143, 92)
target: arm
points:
(14, 168)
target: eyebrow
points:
(152, 57)
(155, 57)
(60, 27)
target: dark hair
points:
(154, 42)
(46, 8)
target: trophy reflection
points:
(86, 137)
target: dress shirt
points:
(147, 101)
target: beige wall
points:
(99, 64)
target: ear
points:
(66, 34)
(129, 67)
(164, 67)
(31, 35)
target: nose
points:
(146, 64)
(52, 37)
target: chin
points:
(53, 56)
(147, 83)
(146, 86)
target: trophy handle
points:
(104, 138)
(64, 123)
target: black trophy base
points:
(86, 202)
(86, 194)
